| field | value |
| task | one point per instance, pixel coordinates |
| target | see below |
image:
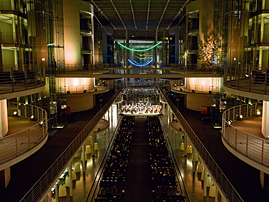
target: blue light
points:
(134, 63)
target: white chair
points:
(96, 146)
(62, 191)
(88, 149)
(182, 147)
(77, 167)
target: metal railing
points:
(251, 146)
(179, 177)
(220, 178)
(241, 77)
(118, 69)
(98, 176)
(46, 180)
(198, 88)
(9, 82)
(83, 89)
(21, 142)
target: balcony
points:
(241, 134)
(29, 132)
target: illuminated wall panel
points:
(204, 84)
(75, 84)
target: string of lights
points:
(139, 50)
(134, 63)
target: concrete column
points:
(205, 182)
(155, 50)
(176, 44)
(83, 157)
(3, 118)
(70, 179)
(126, 51)
(265, 119)
(92, 37)
(262, 179)
(163, 44)
(5, 176)
(104, 46)
(72, 37)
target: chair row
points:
(113, 182)
(164, 185)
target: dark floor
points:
(138, 180)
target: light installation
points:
(134, 63)
(139, 50)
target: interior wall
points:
(80, 102)
(194, 101)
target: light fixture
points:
(15, 113)
(139, 50)
(32, 117)
(229, 122)
(134, 63)
(258, 113)
(241, 116)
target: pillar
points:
(5, 176)
(72, 37)
(104, 45)
(176, 44)
(265, 119)
(83, 157)
(126, 51)
(92, 37)
(205, 182)
(3, 118)
(262, 179)
(56, 193)
(155, 50)
(70, 179)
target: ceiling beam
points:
(148, 15)
(162, 14)
(111, 1)
(178, 14)
(133, 13)
(103, 15)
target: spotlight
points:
(32, 117)
(229, 122)
(241, 116)
(258, 113)
(41, 123)
(15, 113)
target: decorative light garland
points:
(139, 50)
(134, 63)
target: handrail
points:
(19, 143)
(220, 178)
(251, 146)
(101, 167)
(46, 180)
(10, 82)
(172, 154)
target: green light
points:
(140, 50)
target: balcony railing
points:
(224, 184)
(245, 78)
(21, 142)
(19, 80)
(251, 146)
(46, 180)
(118, 69)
